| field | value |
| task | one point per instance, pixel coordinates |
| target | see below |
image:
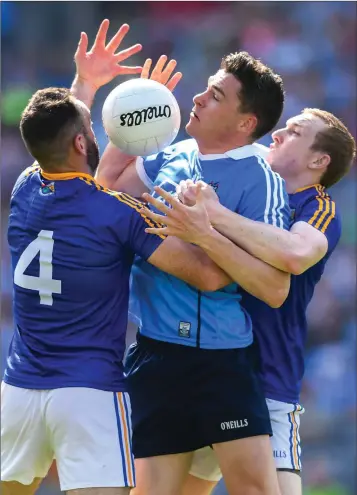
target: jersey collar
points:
(65, 176)
(239, 153)
(316, 186)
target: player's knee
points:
(15, 488)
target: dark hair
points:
(49, 124)
(336, 141)
(262, 91)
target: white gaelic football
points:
(141, 117)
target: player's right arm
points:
(121, 172)
(169, 254)
(97, 67)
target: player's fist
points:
(102, 63)
(161, 74)
(187, 192)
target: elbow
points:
(295, 264)
(278, 296)
(278, 299)
(214, 282)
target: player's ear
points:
(247, 124)
(320, 161)
(80, 144)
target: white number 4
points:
(44, 284)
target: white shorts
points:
(285, 442)
(87, 431)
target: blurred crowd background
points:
(313, 46)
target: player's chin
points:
(190, 127)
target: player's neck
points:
(293, 184)
(67, 168)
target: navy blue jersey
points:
(72, 245)
(281, 333)
(169, 309)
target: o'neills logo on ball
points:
(145, 115)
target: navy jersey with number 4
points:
(281, 333)
(72, 245)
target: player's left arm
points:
(293, 251)
(192, 225)
(169, 254)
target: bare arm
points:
(291, 251)
(99, 66)
(253, 275)
(192, 225)
(189, 263)
(117, 171)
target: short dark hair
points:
(49, 124)
(337, 142)
(262, 91)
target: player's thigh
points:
(15, 488)
(198, 486)
(26, 453)
(290, 482)
(161, 475)
(91, 436)
(247, 466)
(99, 491)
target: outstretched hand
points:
(160, 74)
(190, 224)
(102, 63)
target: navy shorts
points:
(184, 398)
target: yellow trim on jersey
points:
(126, 199)
(325, 211)
(308, 187)
(65, 176)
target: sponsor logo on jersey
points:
(47, 188)
(185, 329)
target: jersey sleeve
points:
(131, 228)
(148, 167)
(265, 198)
(320, 212)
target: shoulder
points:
(315, 206)
(262, 173)
(25, 177)
(182, 149)
(111, 206)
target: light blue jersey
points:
(170, 310)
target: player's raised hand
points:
(190, 224)
(161, 74)
(102, 63)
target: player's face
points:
(290, 152)
(215, 118)
(92, 147)
(92, 153)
